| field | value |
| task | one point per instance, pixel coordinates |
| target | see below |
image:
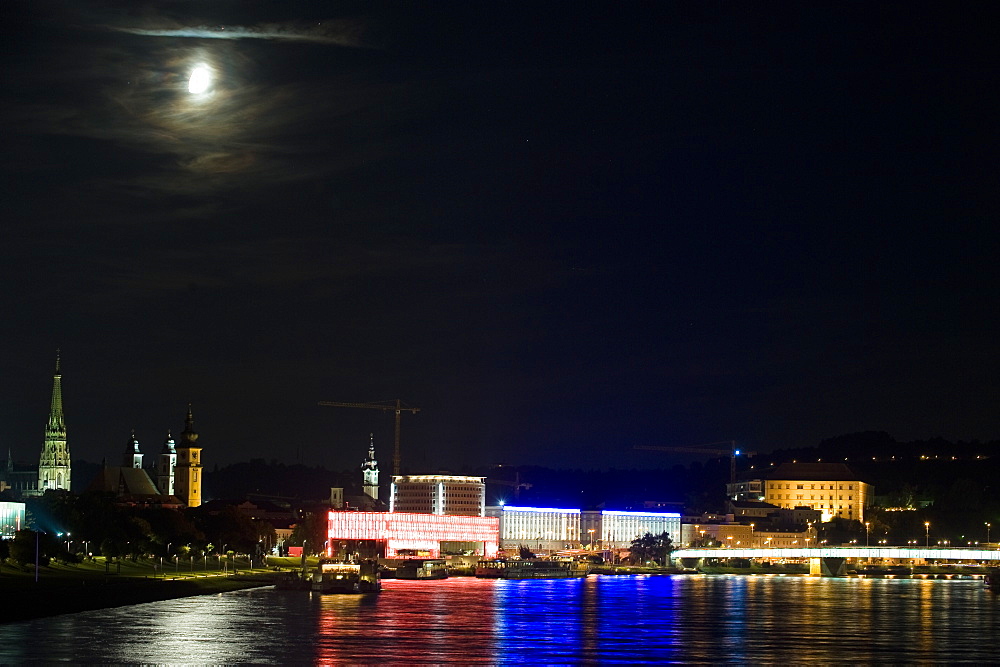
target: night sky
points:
(559, 229)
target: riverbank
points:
(72, 588)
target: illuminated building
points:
(743, 535)
(188, 473)
(618, 529)
(178, 473)
(20, 480)
(752, 490)
(369, 470)
(417, 534)
(541, 529)
(454, 495)
(548, 529)
(54, 464)
(132, 457)
(831, 488)
(11, 518)
(165, 470)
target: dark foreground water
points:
(600, 619)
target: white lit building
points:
(11, 519)
(618, 529)
(549, 529)
(541, 529)
(454, 495)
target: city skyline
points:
(560, 234)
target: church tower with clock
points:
(188, 473)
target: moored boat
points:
(422, 569)
(346, 578)
(532, 568)
(335, 577)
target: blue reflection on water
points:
(600, 619)
(605, 619)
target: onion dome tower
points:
(165, 471)
(369, 470)
(132, 458)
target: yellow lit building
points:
(188, 472)
(832, 488)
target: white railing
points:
(924, 553)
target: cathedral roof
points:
(132, 486)
(123, 481)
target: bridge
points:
(830, 561)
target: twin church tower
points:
(178, 471)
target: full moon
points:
(199, 81)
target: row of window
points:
(850, 487)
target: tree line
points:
(72, 526)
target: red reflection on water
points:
(446, 620)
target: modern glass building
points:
(11, 518)
(618, 529)
(542, 529)
(549, 529)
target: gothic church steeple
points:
(54, 464)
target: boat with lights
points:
(335, 577)
(530, 568)
(422, 569)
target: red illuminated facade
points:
(417, 532)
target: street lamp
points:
(751, 534)
(987, 533)
(927, 534)
(867, 532)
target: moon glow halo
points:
(200, 80)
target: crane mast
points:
(397, 407)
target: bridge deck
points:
(967, 554)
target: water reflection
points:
(411, 621)
(598, 619)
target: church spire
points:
(54, 464)
(56, 424)
(188, 435)
(369, 470)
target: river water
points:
(600, 619)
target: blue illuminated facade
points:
(550, 529)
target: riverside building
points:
(832, 488)
(455, 495)
(549, 529)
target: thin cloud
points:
(339, 33)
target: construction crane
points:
(398, 407)
(707, 448)
(517, 484)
